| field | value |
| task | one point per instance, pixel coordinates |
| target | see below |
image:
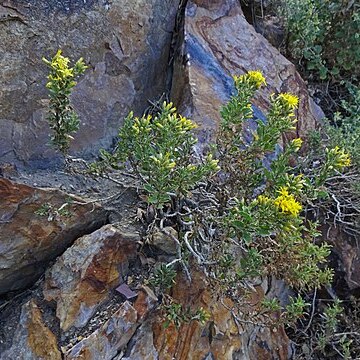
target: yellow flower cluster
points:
(289, 100)
(213, 163)
(263, 200)
(341, 158)
(142, 124)
(296, 144)
(61, 72)
(163, 161)
(286, 202)
(254, 78)
(185, 124)
(257, 78)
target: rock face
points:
(83, 275)
(222, 337)
(106, 342)
(218, 43)
(33, 339)
(36, 225)
(124, 42)
(348, 250)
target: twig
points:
(312, 312)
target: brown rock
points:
(164, 242)
(218, 43)
(221, 337)
(142, 344)
(83, 275)
(106, 342)
(34, 231)
(33, 340)
(124, 42)
(348, 249)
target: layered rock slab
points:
(37, 225)
(218, 43)
(222, 337)
(82, 277)
(126, 45)
(33, 340)
(114, 335)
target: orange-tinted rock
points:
(221, 337)
(106, 342)
(124, 42)
(33, 339)
(29, 240)
(83, 275)
(218, 43)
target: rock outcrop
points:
(223, 336)
(33, 339)
(114, 335)
(83, 275)
(37, 225)
(126, 45)
(348, 250)
(218, 43)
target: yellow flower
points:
(171, 165)
(290, 100)
(263, 200)
(187, 124)
(252, 78)
(296, 143)
(341, 158)
(256, 78)
(136, 129)
(286, 203)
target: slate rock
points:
(37, 225)
(83, 276)
(218, 43)
(126, 45)
(33, 340)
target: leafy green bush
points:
(62, 119)
(345, 130)
(265, 201)
(160, 151)
(325, 35)
(250, 219)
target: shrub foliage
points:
(62, 119)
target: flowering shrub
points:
(266, 202)
(250, 219)
(62, 119)
(160, 151)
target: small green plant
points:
(329, 330)
(317, 31)
(163, 277)
(43, 210)
(331, 316)
(295, 309)
(177, 315)
(62, 119)
(53, 213)
(265, 199)
(159, 150)
(345, 128)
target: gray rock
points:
(165, 242)
(124, 42)
(84, 274)
(219, 43)
(33, 340)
